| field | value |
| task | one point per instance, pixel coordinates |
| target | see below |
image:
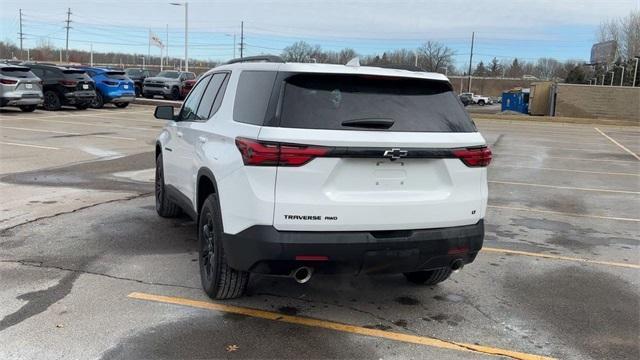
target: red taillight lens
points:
(259, 153)
(474, 157)
(68, 82)
(8, 81)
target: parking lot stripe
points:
(67, 133)
(566, 170)
(98, 125)
(330, 325)
(617, 143)
(29, 145)
(560, 157)
(559, 257)
(560, 213)
(564, 187)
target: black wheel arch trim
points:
(208, 174)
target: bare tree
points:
(547, 68)
(300, 51)
(434, 55)
(625, 31)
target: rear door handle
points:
(179, 133)
(202, 139)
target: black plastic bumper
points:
(263, 249)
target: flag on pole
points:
(155, 40)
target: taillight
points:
(8, 81)
(110, 83)
(474, 157)
(68, 82)
(258, 153)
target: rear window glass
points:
(76, 74)
(17, 72)
(252, 96)
(117, 75)
(356, 102)
(134, 72)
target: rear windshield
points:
(76, 74)
(134, 72)
(17, 72)
(117, 75)
(169, 74)
(357, 102)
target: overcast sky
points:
(526, 29)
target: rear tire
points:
(481, 102)
(121, 105)
(98, 102)
(51, 101)
(175, 94)
(28, 108)
(429, 277)
(164, 207)
(218, 279)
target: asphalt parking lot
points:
(88, 270)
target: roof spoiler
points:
(261, 58)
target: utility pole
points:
(21, 35)
(241, 39)
(91, 55)
(166, 53)
(473, 35)
(186, 36)
(635, 72)
(234, 45)
(149, 47)
(68, 27)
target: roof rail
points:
(265, 58)
(399, 67)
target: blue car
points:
(112, 86)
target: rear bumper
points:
(80, 97)
(123, 99)
(263, 249)
(18, 101)
(152, 90)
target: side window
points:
(191, 76)
(190, 105)
(252, 96)
(210, 97)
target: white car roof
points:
(332, 69)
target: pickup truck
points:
(478, 99)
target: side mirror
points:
(164, 113)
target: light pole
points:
(613, 74)
(635, 73)
(622, 75)
(186, 32)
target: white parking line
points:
(29, 145)
(617, 143)
(98, 125)
(565, 187)
(68, 133)
(514, 208)
(566, 170)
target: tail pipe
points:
(457, 264)
(302, 274)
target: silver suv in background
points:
(19, 87)
(166, 83)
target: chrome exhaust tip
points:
(302, 274)
(457, 264)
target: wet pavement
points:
(559, 195)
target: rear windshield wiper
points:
(369, 123)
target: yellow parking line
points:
(560, 213)
(564, 187)
(559, 257)
(29, 145)
(99, 125)
(567, 170)
(617, 143)
(67, 133)
(324, 324)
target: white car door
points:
(185, 141)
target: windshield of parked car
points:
(133, 72)
(169, 74)
(328, 101)
(117, 75)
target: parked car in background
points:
(19, 87)
(479, 99)
(112, 86)
(63, 86)
(466, 99)
(168, 84)
(137, 76)
(186, 88)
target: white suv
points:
(291, 169)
